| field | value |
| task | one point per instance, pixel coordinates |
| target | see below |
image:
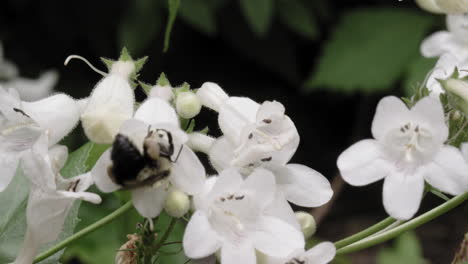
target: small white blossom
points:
(232, 217)
(262, 136)
(22, 123)
(408, 149)
(322, 253)
(307, 223)
(187, 105)
(110, 104)
(50, 197)
(186, 173)
(177, 203)
(452, 48)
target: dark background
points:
(38, 35)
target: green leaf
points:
(416, 74)
(369, 50)
(259, 14)
(173, 7)
(171, 253)
(298, 18)
(200, 14)
(140, 24)
(406, 250)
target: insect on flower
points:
(132, 169)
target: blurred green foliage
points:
(407, 249)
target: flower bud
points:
(163, 92)
(127, 253)
(187, 105)
(453, 6)
(177, 204)
(307, 222)
(212, 96)
(458, 93)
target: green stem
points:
(418, 221)
(102, 222)
(365, 233)
(166, 234)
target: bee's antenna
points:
(178, 154)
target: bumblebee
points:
(132, 169)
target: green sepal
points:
(420, 93)
(108, 63)
(146, 87)
(187, 124)
(125, 56)
(185, 87)
(436, 192)
(162, 80)
(204, 131)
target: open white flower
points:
(322, 253)
(50, 198)
(408, 149)
(22, 123)
(232, 218)
(186, 172)
(452, 48)
(110, 104)
(262, 136)
(34, 89)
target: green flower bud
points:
(307, 222)
(177, 204)
(188, 105)
(457, 91)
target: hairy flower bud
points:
(307, 222)
(458, 93)
(177, 204)
(444, 6)
(163, 92)
(188, 105)
(127, 253)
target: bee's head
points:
(158, 143)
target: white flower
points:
(408, 149)
(320, 254)
(452, 48)
(110, 104)
(34, 89)
(262, 136)
(162, 91)
(464, 149)
(50, 198)
(444, 6)
(7, 69)
(231, 217)
(186, 173)
(22, 123)
(187, 104)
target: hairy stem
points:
(414, 223)
(102, 222)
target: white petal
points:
(110, 104)
(221, 154)
(231, 254)
(163, 92)
(270, 109)
(58, 114)
(363, 163)
(188, 173)
(229, 180)
(100, 175)
(46, 213)
(136, 130)
(448, 172)
(36, 166)
(430, 111)
(436, 44)
(78, 183)
(464, 150)
(85, 196)
(303, 186)
(212, 95)
(199, 238)
(453, 7)
(155, 111)
(200, 142)
(402, 194)
(391, 113)
(149, 201)
(276, 238)
(8, 165)
(429, 5)
(35, 89)
(262, 184)
(234, 115)
(321, 254)
(58, 155)
(281, 209)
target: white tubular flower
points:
(24, 122)
(34, 89)
(452, 48)
(132, 160)
(212, 96)
(231, 218)
(110, 104)
(263, 136)
(408, 149)
(50, 197)
(322, 253)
